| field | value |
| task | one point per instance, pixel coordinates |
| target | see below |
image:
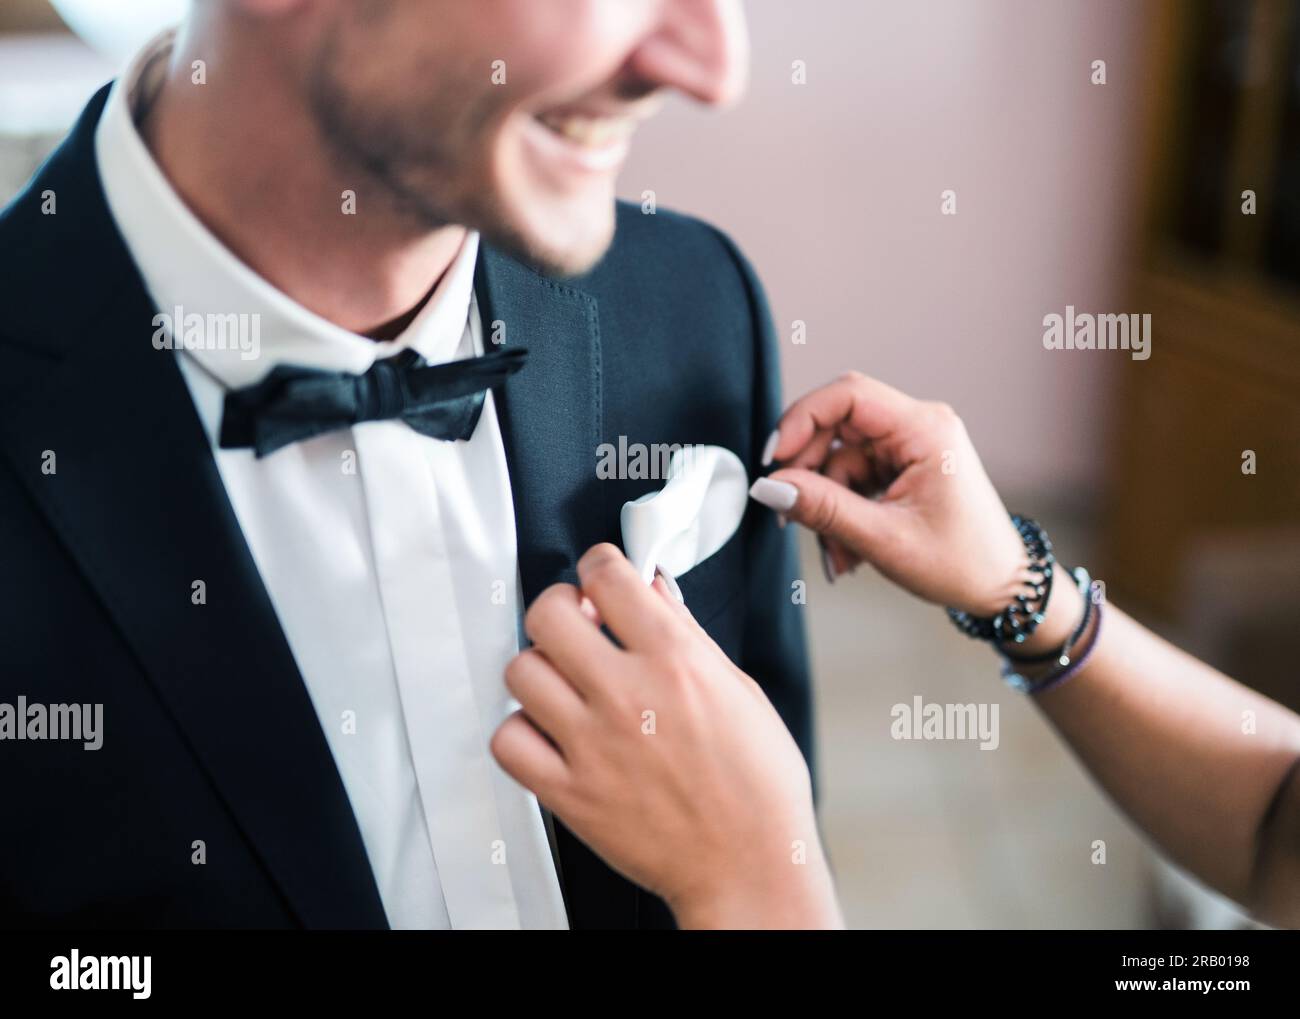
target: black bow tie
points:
(443, 401)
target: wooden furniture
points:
(1222, 117)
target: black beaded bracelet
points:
(1017, 622)
(1068, 659)
(1061, 654)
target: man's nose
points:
(701, 48)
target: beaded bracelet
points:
(1084, 583)
(1076, 665)
(1068, 662)
(1018, 621)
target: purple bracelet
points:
(1076, 664)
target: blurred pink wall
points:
(833, 189)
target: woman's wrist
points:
(1061, 618)
(800, 896)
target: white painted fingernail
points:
(780, 520)
(769, 448)
(778, 495)
(671, 583)
(827, 568)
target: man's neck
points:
(245, 156)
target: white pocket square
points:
(691, 517)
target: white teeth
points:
(591, 132)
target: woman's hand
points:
(895, 482)
(663, 756)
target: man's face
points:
(514, 116)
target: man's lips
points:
(587, 139)
(575, 143)
(588, 130)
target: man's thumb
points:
(821, 505)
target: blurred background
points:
(1126, 196)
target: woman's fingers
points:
(661, 586)
(569, 634)
(832, 510)
(837, 558)
(815, 451)
(638, 616)
(853, 406)
(548, 699)
(851, 467)
(910, 497)
(530, 759)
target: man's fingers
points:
(853, 405)
(569, 636)
(530, 759)
(635, 614)
(546, 696)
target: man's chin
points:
(565, 245)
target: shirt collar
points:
(189, 272)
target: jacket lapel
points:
(551, 422)
(550, 416)
(137, 500)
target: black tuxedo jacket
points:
(208, 731)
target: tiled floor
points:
(944, 834)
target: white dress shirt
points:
(390, 559)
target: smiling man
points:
(294, 579)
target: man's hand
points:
(663, 756)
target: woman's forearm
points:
(1205, 765)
